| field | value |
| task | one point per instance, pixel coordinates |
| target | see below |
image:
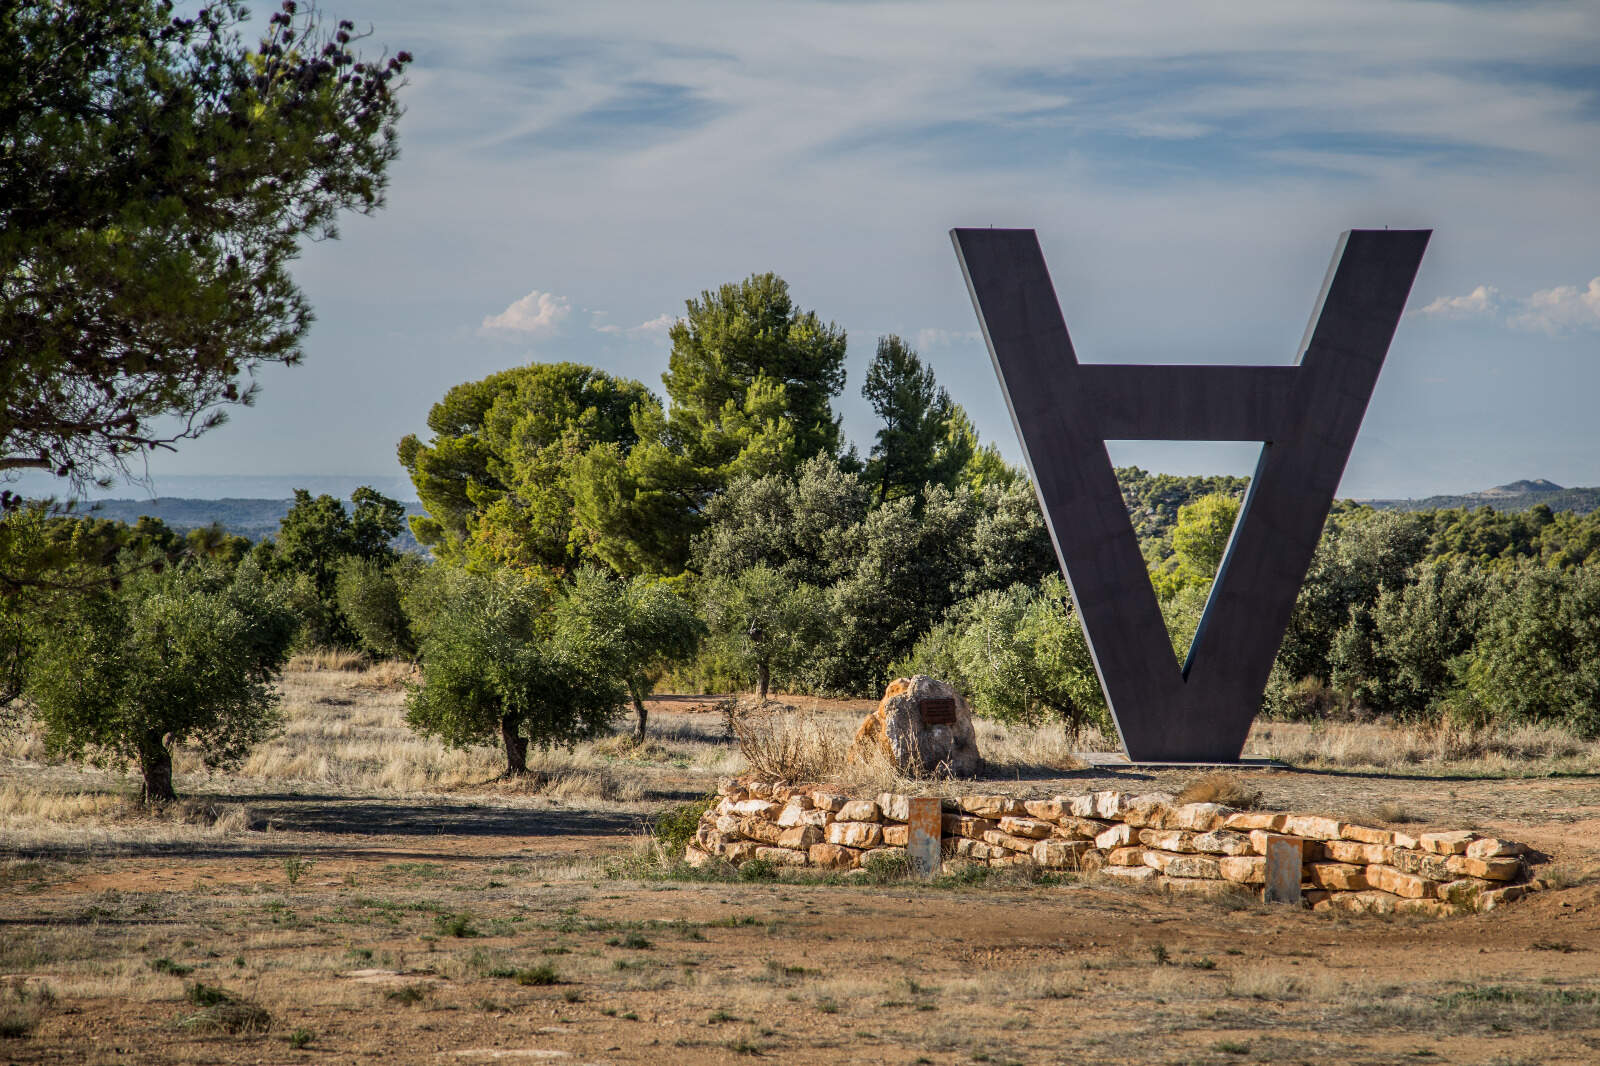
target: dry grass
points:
(1230, 790)
(340, 659)
(782, 742)
(1444, 746)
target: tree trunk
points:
(155, 763)
(643, 715)
(763, 678)
(516, 746)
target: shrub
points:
(369, 594)
(675, 827)
(783, 743)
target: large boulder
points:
(924, 727)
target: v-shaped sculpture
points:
(1306, 415)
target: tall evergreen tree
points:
(915, 445)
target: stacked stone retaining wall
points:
(1149, 839)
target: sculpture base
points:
(1116, 760)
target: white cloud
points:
(657, 326)
(1557, 310)
(942, 338)
(1483, 300)
(1561, 308)
(536, 314)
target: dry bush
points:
(1230, 790)
(1048, 747)
(387, 674)
(781, 742)
(340, 659)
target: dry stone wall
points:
(1148, 839)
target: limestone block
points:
(991, 806)
(728, 825)
(1400, 883)
(1049, 810)
(1503, 869)
(856, 834)
(1200, 817)
(730, 787)
(1310, 850)
(782, 856)
(1011, 858)
(1134, 874)
(1059, 854)
(895, 807)
(789, 817)
(1196, 886)
(1494, 848)
(1082, 806)
(1369, 902)
(1148, 810)
(1033, 828)
(760, 789)
(996, 839)
(859, 811)
(1167, 839)
(1313, 896)
(834, 856)
(1222, 842)
(1455, 843)
(724, 806)
(1464, 893)
(1364, 835)
(1071, 827)
(1405, 841)
(897, 836)
(1183, 865)
(1422, 863)
(738, 851)
(1433, 908)
(756, 808)
(1118, 836)
(965, 825)
(828, 801)
(1131, 856)
(1499, 897)
(1355, 852)
(1313, 827)
(693, 856)
(1248, 820)
(1337, 876)
(1091, 861)
(801, 836)
(760, 830)
(1108, 804)
(973, 849)
(1243, 869)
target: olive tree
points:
(182, 657)
(505, 657)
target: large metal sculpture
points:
(1306, 415)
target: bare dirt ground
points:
(356, 895)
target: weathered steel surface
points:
(937, 710)
(922, 836)
(1285, 856)
(1306, 414)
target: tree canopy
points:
(915, 444)
(157, 177)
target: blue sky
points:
(571, 173)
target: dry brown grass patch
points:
(342, 659)
(1230, 790)
(782, 742)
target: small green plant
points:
(718, 1016)
(407, 994)
(885, 869)
(360, 954)
(456, 925)
(538, 976)
(1204, 962)
(1160, 954)
(674, 828)
(758, 870)
(204, 995)
(295, 867)
(827, 1006)
(632, 940)
(221, 1011)
(1231, 1047)
(301, 1038)
(167, 966)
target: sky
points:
(572, 173)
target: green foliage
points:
(1501, 538)
(503, 656)
(674, 828)
(750, 381)
(159, 176)
(1535, 657)
(369, 594)
(1018, 655)
(314, 539)
(763, 624)
(804, 525)
(915, 445)
(186, 656)
(496, 477)
(1153, 501)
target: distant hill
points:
(1516, 496)
(253, 518)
